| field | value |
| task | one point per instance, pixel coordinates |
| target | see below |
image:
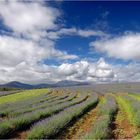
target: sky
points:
(50, 41)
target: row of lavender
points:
(50, 127)
(4, 93)
(32, 106)
(28, 105)
(101, 126)
(30, 111)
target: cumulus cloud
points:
(30, 20)
(75, 71)
(85, 71)
(127, 73)
(80, 71)
(16, 50)
(26, 45)
(28, 17)
(23, 49)
(124, 47)
(101, 72)
(33, 20)
(96, 72)
(29, 39)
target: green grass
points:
(137, 137)
(135, 96)
(131, 106)
(127, 107)
(22, 95)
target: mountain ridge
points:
(63, 83)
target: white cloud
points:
(80, 32)
(15, 50)
(30, 19)
(33, 20)
(124, 47)
(31, 42)
(80, 71)
(23, 50)
(75, 69)
(88, 33)
(101, 72)
(74, 31)
(127, 73)
(23, 17)
(96, 72)
(85, 71)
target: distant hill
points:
(110, 87)
(16, 84)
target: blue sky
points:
(45, 41)
(113, 18)
(118, 16)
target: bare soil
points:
(20, 135)
(123, 128)
(81, 126)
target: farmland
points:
(82, 112)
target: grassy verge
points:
(135, 96)
(137, 137)
(127, 107)
(22, 95)
(6, 109)
(123, 122)
(131, 106)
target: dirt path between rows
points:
(20, 135)
(81, 126)
(23, 133)
(123, 128)
(1, 119)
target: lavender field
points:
(81, 112)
